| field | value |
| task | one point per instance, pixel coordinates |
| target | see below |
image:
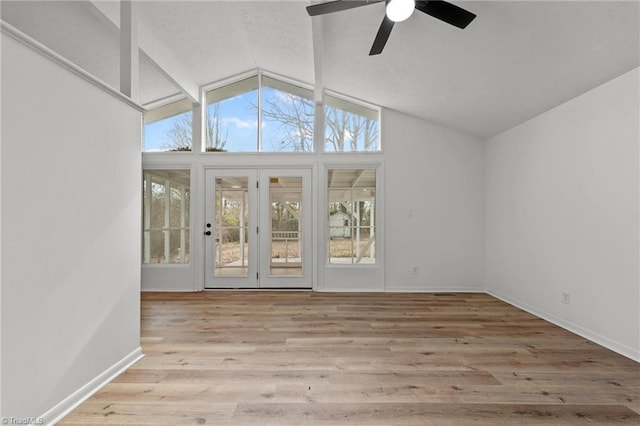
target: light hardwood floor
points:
(302, 358)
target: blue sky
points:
(238, 122)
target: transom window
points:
(168, 128)
(350, 127)
(232, 117)
(284, 111)
(287, 117)
(264, 114)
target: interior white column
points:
(317, 30)
(129, 61)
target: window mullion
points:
(259, 111)
(318, 121)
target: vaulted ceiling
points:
(515, 61)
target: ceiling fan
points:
(397, 11)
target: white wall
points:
(562, 215)
(71, 232)
(434, 206)
(1, 239)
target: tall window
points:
(351, 216)
(166, 216)
(350, 127)
(285, 112)
(168, 128)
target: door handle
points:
(207, 233)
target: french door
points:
(258, 228)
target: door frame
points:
(258, 263)
(284, 281)
(249, 281)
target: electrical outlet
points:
(566, 297)
(415, 270)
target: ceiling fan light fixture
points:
(400, 10)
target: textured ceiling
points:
(218, 39)
(515, 61)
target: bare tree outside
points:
(179, 138)
(345, 130)
(290, 121)
(215, 142)
(294, 116)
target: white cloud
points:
(284, 97)
(239, 123)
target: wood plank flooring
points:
(302, 358)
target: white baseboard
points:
(166, 290)
(434, 290)
(601, 340)
(68, 404)
(399, 290)
(348, 290)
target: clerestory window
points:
(264, 114)
(287, 117)
(284, 111)
(168, 128)
(350, 127)
(232, 117)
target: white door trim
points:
(259, 219)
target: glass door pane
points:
(285, 228)
(285, 200)
(231, 226)
(231, 220)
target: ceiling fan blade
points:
(383, 35)
(337, 6)
(447, 12)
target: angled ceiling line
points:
(317, 34)
(246, 37)
(165, 61)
